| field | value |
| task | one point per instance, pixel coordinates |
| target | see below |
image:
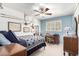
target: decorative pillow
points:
(3, 40)
(5, 33)
(12, 37)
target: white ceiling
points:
(58, 9)
(22, 7)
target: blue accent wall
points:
(66, 21)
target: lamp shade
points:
(67, 29)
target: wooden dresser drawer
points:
(71, 45)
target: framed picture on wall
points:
(26, 29)
(16, 27)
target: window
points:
(55, 25)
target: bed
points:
(31, 42)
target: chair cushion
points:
(4, 40)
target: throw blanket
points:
(32, 41)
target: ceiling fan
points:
(43, 11)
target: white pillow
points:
(4, 40)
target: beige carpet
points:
(50, 50)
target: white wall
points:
(76, 15)
(4, 21)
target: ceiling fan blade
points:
(37, 14)
(48, 13)
(36, 11)
(42, 9)
(46, 9)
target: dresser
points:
(71, 45)
(52, 39)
